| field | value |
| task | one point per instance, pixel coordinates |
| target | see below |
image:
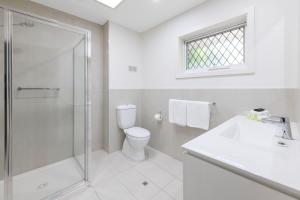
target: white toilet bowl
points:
(135, 142)
(136, 138)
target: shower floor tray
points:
(42, 182)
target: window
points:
(217, 50)
(226, 47)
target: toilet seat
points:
(137, 132)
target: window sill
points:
(221, 72)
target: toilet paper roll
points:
(158, 117)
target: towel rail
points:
(37, 88)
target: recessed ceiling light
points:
(110, 3)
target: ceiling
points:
(138, 15)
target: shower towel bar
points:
(22, 88)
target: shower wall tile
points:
(42, 128)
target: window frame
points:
(246, 17)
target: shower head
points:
(26, 24)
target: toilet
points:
(136, 138)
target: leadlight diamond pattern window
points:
(217, 50)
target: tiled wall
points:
(167, 137)
(42, 127)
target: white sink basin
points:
(253, 149)
(250, 132)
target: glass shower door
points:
(79, 101)
(2, 105)
(48, 134)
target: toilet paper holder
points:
(213, 103)
(158, 116)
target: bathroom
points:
(149, 99)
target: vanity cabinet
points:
(206, 181)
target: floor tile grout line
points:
(158, 152)
(175, 177)
(159, 188)
(162, 190)
(116, 179)
(167, 191)
(133, 166)
(122, 172)
(147, 178)
(98, 196)
(127, 189)
(153, 162)
(165, 170)
(118, 172)
(153, 181)
(157, 165)
(113, 176)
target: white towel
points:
(198, 114)
(171, 110)
(177, 112)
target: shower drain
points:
(42, 186)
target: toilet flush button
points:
(132, 68)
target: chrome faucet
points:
(284, 122)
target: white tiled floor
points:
(118, 178)
(115, 177)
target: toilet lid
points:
(137, 132)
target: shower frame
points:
(8, 61)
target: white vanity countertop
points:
(251, 149)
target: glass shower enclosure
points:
(44, 104)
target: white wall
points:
(121, 86)
(276, 37)
(296, 94)
(156, 54)
(124, 50)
